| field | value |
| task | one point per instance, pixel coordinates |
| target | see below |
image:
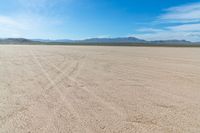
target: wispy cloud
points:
(34, 18)
(14, 26)
(182, 14)
(169, 35)
(180, 22)
(186, 27)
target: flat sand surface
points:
(83, 89)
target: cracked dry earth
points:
(83, 89)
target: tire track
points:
(77, 70)
(62, 97)
(102, 104)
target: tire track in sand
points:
(75, 72)
(62, 97)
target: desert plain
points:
(99, 89)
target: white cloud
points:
(183, 32)
(182, 14)
(34, 19)
(19, 26)
(12, 27)
(186, 27)
(4, 20)
(170, 35)
(180, 22)
(29, 26)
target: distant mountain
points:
(171, 42)
(41, 40)
(118, 40)
(64, 40)
(114, 40)
(97, 40)
(16, 41)
(48, 40)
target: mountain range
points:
(119, 40)
(16, 41)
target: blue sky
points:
(79, 19)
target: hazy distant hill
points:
(127, 41)
(16, 41)
(115, 40)
(171, 42)
(118, 40)
(58, 40)
(97, 40)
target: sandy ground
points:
(66, 89)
